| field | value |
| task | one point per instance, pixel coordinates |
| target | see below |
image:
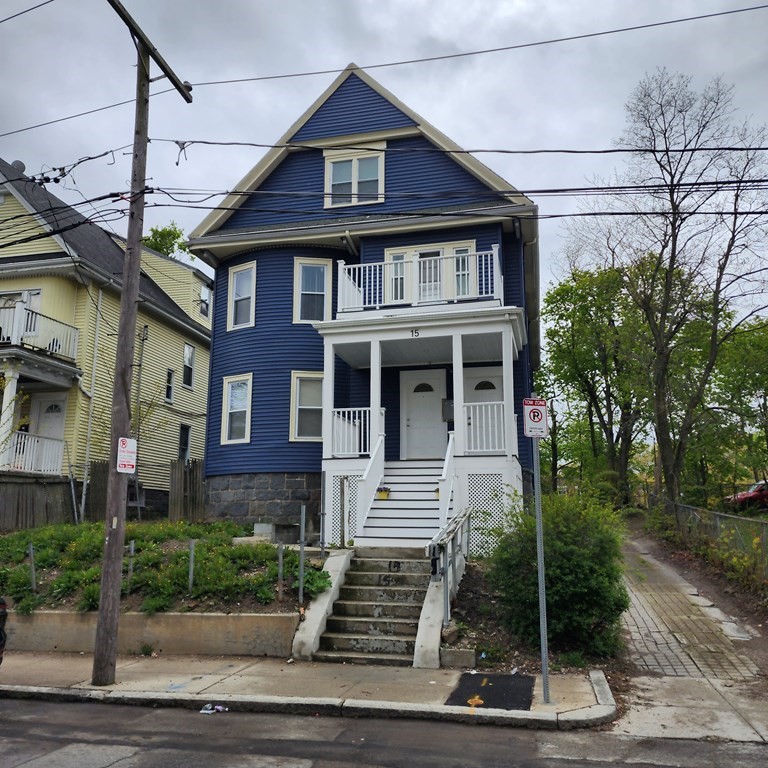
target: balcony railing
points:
(35, 453)
(20, 326)
(351, 432)
(420, 280)
(485, 427)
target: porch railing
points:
(485, 427)
(35, 453)
(21, 326)
(420, 280)
(351, 432)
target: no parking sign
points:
(535, 422)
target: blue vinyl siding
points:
(270, 351)
(411, 166)
(353, 108)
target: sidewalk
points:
(693, 681)
(270, 685)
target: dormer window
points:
(354, 176)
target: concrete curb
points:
(602, 712)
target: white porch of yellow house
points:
(37, 361)
(475, 465)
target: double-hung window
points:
(354, 177)
(184, 438)
(236, 409)
(311, 290)
(306, 406)
(169, 385)
(189, 365)
(205, 300)
(242, 296)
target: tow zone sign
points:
(535, 422)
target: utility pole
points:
(105, 650)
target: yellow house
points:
(60, 282)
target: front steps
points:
(411, 515)
(376, 617)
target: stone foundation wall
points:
(272, 498)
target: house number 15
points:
(414, 333)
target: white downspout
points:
(89, 428)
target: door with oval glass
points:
(423, 433)
(48, 414)
(484, 397)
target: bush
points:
(583, 574)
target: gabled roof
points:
(412, 123)
(82, 243)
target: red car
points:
(755, 496)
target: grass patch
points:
(68, 568)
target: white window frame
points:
(191, 367)
(170, 375)
(298, 263)
(188, 453)
(233, 272)
(296, 378)
(374, 149)
(205, 300)
(408, 254)
(227, 381)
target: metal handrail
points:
(443, 551)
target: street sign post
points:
(536, 426)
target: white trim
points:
(296, 377)
(233, 271)
(354, 155)
(184, 367)
(298, 262)
(227, 380)
(169, 383)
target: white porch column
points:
(6, 416)
(328, 388)
(459, 417)
(377, 427)
(508, 352)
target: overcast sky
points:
(69, 56)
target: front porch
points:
(440, 414)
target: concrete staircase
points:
(376, 617)
(410, 516)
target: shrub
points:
(583, 574)
(89, 599)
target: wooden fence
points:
(186, 498)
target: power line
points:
(21, 13)
(403, 62)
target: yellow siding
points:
(58, 295)
(18, 224)
(180, 282)
(159, 421)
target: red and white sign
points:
(126, 455)
(535, 422)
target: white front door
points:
(48, 414)
(485, 423)
(423, 433)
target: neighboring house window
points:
(184, 434)
(429, 273)
(236, 409)
(354, 177)
(169, 385)
(189, 365)
(242, 296)
(205, 300)
(311, 290)
(306, 405)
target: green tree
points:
(689, 243)
(168, 240)
(592, 343)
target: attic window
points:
(354, 176)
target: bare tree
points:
(689, 243)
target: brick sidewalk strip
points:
(671, 635)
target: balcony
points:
(34, 453)
(23, 327)
(419, 280)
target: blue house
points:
(375, 327)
